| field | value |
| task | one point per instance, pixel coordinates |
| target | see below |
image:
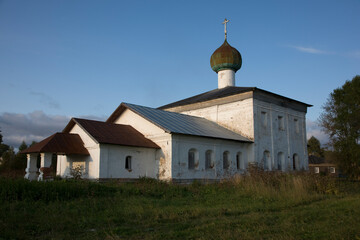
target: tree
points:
(341, 120)
(314, 147)
(3, 147)
(19, 162)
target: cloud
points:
(46, 99)
(313, 129)
(34, 126)
(310, 50)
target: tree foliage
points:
(341, 120)
(314, 147)
(3, 147)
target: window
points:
(280, 161)
(332, 170)
(264, 119)
(226, 160)
(316, 170)
(209, 159)
(239, 161)
(296, 125)
(281, 123)
(193, 159)
(295, 162)
(266, 160)
(128, 163)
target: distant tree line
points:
(9, 160)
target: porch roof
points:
(59, 143)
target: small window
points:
(128, 163)
(193, 159)
(295, 162)
(316, 170)
(226, 160)
(332, 170)
(209, 159)
(264, 119)
(281, 123)
(239, 161)
(296, 123)
(281, 161)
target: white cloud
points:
(313, 129)
(34, 126)
(30, 127)
(310, 50)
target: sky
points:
(82, 58)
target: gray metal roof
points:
(179, 123)
(220, 93)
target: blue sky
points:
(60, 59)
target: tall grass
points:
(299, 185)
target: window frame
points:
(128, 163)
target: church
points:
(210, 136)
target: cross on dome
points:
(225, 22)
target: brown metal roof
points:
(111, 133)
(60, 143)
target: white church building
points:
(210, 136)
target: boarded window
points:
(226, 160)
(266, 160)
(209, 159)
(264, 119)
(128, 163)
(297, 127)
(316, 169)
(281, 123)
(193, 159)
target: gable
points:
(177, 123)
(111, 133)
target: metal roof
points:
(220, 93)
(60, 143)
(179, 123)
(110, 133)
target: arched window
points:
(266, 160)
(226, 160)
(193, 159)
(128, 163)
(280, 161)
(295, 162)
(239, 161)
(209, 159)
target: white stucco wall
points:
(244, 117)
(143, 162)
(157, 135)
(183, 143)
(271, 137)
(236, 116)
(91, 163)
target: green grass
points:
(263, 206)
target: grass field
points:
(261, 206)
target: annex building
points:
(210, 136)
